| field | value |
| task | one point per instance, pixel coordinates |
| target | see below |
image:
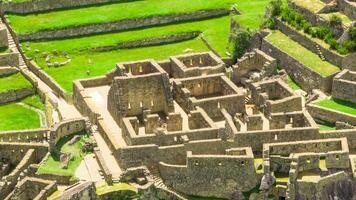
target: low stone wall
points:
(305, 77)
(100, 159)
(348, 7)
(151, 41)
(33, 135)
(3, 37)
(121, 25)
(9, 59)
(14, 95)
(308, 43)
(65, 128)
(59, 91)
(47, 5)
(60, 179)
(330, 116)
(344, 87)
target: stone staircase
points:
(248, 100)
(320, 53)
(158, 183)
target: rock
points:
(64, 160)
(74, 139)
(141, 180)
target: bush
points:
(335, 20)
(322, 32)
(240, 43)
(350, 45)
(275, 8)
(353, 33)
(342, 50)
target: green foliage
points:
(353, 33)
(339, 105)
(297, 20)
(240, 42)
(335, 20)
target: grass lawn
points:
(111, 12)
(326, 127)
(292, 84)
(345, 19)
(312, 5)
(103, 189)
(14, 82)
(339, 105)
(34, 101)
(99, 63)
(52, 164)
(215, 30)
(302, 54)
(17, 117)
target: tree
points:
(240, 43)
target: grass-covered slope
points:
(52, 164)
(14, 82)
(111, 12)
(297, 51)
(16, 117)
(339, 105)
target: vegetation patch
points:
(16, 117)
(110, 12)
(338, 105)
(301, 54)
(14, 82)
(52, 164)
(311, 5)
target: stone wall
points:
(344, 86)
(304, 76)
(151, 41)
(9, 59)
(100, 159)
(3, 37)
(14, 95)
(348, 7)
(330, 116)
(82, 191)
(304, 40)
(121, 25)
(59, 91)
(33, 135)
(47, 5)
(65, 128)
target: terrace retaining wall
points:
(308, 43)
(14, 95)
(47, 5)
(151, 41)
(305, 77)
(330, 116)
(121, 25)
(31, 135)
(348, 7)
(58, 90)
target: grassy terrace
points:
(345, 19)
(14, 82)
(302, 54)
(52, 164)
(311, 5)
(214, 30)
(16, 117)
(111, 12)
(338, 105)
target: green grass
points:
(215, 30)
(34, 101)
(99, 63)
(292, 84)
(52, 164)
(110, 12)
(311, 5)
(345, 19)
(338, 105)
(203, 198)
(14, 82)
(103, 189)
(326, 126)
(302, 54)
(17, 117)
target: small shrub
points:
(275, 7)
(350, 45)
(342, 50)
(353, 33)
(240, 43)
(335, 20)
